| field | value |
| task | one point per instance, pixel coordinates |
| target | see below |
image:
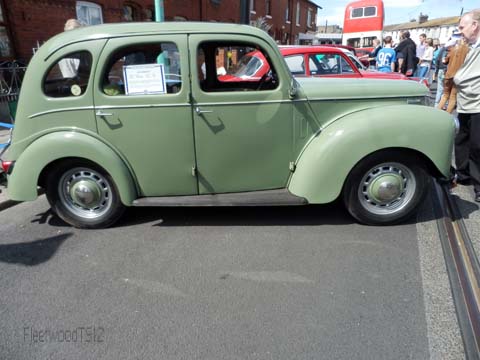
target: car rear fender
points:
(23, 181)
(325, 163)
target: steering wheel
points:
(334, 69)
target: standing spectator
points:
(372, 56)
(419, 51)
(69, 66)
(425, 61)
(467, 80)
(386, 57)
(436, 50)
(407, 61)
(454, 60)
(440, 67)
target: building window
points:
(309, 18)
(268, 7)
(148, 15)
(89, 13)
(297, 15)
(252, 5)
(5, 44)
(128, 13)
(287, 11)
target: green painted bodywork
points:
(158, 145)
(67, 144)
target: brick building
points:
(26, 24)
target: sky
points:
(396, 11)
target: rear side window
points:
(68, 76)
(296, 64)
(143, 69)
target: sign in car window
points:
(144, 79)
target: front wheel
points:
(385, 188)
(83, 195)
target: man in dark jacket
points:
(406, 54)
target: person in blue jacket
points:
(386, 56)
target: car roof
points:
(302, 49)
(107, 31)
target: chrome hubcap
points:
(387, 188)
(85, 192)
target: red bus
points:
(363, 22)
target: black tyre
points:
(83, 195)
(385, 188)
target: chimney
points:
(422, 18)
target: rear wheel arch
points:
(47, 152)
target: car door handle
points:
(200, 111)
(101, 113)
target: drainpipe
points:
(160, 17)
(159, 13)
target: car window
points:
(296, 64)
(356, 62)
(234, 67)
(328, 64)
(69, 75)
(143, 69)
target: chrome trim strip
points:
(61, 110)
(398, 97)
(147, 106)
(246, 102)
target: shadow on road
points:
(32, 253)
(333, 214)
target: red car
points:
(332, 62)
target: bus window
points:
(370, 11)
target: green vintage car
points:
(145, 114)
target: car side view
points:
(141, 114)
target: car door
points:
(243, 128)
(149, 125)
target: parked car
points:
(333, 61)
(142, 117)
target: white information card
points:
(144, 79)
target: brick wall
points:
(35, 21)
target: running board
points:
(276, 197)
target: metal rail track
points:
(463, 268)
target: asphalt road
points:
(222, 283)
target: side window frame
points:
(136, 48)
(72, 84)
(213, 81)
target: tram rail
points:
(463, 268)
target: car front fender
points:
(22, 182)
(326, 161)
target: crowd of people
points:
(455, 67)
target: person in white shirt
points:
(467, 80)
(69, 66)
(426, 59)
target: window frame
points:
(109, 65)
(68, 79)
(297, 14)
(91, 5)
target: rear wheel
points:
(83, 195)
(385, 188)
